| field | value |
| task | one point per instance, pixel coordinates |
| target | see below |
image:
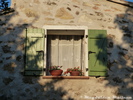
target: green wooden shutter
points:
(34, 49)
(97, 44)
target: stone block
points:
(116, 9)
(76, 1)
(6, 49)
(9, 67)
(85, 18)
(99, 14)
(27, 80)
(7, 81)
(126, 57)
(117, 80)
(87, 4)
(49, 19)
(77, 12)
(110, 36)
(111, 44)
(95, 7)
(62, 13)
(1, 61)
(31, 13)
(36, 1)
(19, 58)
(51, 3)
(120, 15)
(47, 13)
(131, 45)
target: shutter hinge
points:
(91, 52)
(87, 69)
(86, 36)
(44, 69)
(45, 36)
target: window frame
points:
(84, 28)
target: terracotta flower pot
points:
(74, 73)
(56, 72)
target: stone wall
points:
(114, 17)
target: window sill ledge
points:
(65, 77)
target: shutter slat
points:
(35, 35)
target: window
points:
(67, 46)
(65, 50)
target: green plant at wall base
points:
(55, 68)
(69, 70)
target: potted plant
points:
(55, 70)
(74, 71)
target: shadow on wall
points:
(121, 67)
(13, 84)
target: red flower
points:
(55, 67)
(69, 70)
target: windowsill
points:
(65, 77)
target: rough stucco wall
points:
(96, 14)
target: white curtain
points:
(64, 50)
